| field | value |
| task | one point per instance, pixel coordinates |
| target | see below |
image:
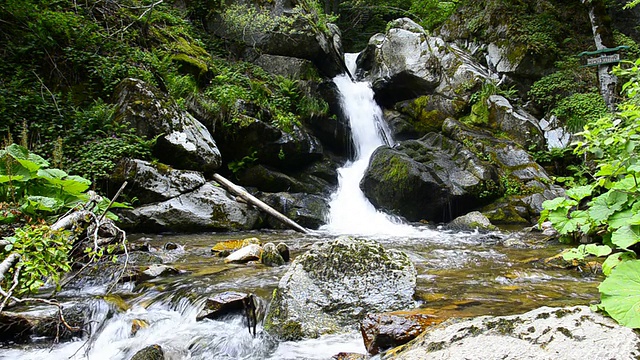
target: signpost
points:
(604, 56)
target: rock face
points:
(442, 176)
(335, 284)
(208, 208)
(183, 141)
(521, 126)
(471, 221)
(544, 333)
(384, 331)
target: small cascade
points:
(350, 210)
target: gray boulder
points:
(405, 63)
(151, 352)
(432, 178)
(208, 208)
(307, 210)
(290, 67)
(522, 127)
(183, 142)
(573, 333)
(155, 182)
(335, 284)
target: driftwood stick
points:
(8, 263)
(261, 205)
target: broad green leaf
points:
(26, 158)
(51, 174)
(44, 203)
(606, 205)
(634, 168)
(558, 202)
(580, 192)
(615, 259)
(597, 250)
(566, 224)
(624, 218)
(620, 293)
(626, 236)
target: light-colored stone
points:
(248, 253)
(574, 333)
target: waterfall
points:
(350, 210)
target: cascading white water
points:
(350, 210)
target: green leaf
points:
(623, 218)
(26, 158)
(557, 203)
(615, 259)
(44, 203)
(626, 236)
(580, 192)
(605, 205)
(620, 294)
(597, 250)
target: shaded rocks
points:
(471, 221)
(544, 333)
(207, 208)
(308, 210)
(433, 178)
(182, 140)
(522, 127)
(335, 284)
(383, 331)
(22, 328)
(152, 352)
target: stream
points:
(460, 274)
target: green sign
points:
(603, 56)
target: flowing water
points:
(459, 274)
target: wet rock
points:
(349, 356)
(433, 170)
(283, 250)
(471, 221)
(307, 210)
(157, 270)
(229, 302)
(155, 182)
(182, 142)
(224, 248)
(271, 256)
(23, 328)
(136, 325)
(208, 208)
(269, 180)
(335, 284)
(170, 246)
(248, 253)
(388, 330)
(573, 333)
(152, 352)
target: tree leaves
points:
(620, 294)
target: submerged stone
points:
(335, 284)
(152, 352)
(384, 331)
(225, 303)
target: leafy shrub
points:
(579, 109)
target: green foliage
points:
(43, 256)
(479, 108)
(242, 164)
(620, 294)
(579, 109)
(432, 13)
(609, 206)
(26, 179)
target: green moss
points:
(398, 169)
(564, 331)
(502, 326)
(291, 331)
(435, 346)
(191, 64)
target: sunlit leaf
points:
(626, 236)
(620, 294)
(614, 260)
(580, 192)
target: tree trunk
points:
(603, 37)
(255, 201)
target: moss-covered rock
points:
(152, 352)
(271, 256)
(335, 284)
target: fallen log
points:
(259, 204)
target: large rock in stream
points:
(335, 284)
(574, 333)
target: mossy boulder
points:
(271, 256)
(335, 284)
(519, 125)
(183, 142)
(474, 220)
(433, 178)
(152, 352)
